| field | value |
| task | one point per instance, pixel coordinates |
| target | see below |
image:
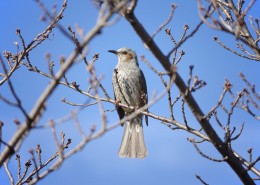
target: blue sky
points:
(171, 158)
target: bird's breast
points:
(127, 88)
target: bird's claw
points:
(117, 103)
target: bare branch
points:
(9, 174)
(213, 110)
(253, 163)
(201, 180)
(250, 57)
(104, 17)
(17, 99)
(142, 57)
(184, 116)
(239, 133)
(252, 87)
(249, 151)
(230, 19)
(196, 29)
(221, 14)
(77, 104)
(173, 6)
(204, 155)
(229, 156)
(30, 178)
(39, 152)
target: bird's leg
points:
(117, 103)
(136, 108)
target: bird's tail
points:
(133, 145)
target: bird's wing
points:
(120, 111)
(144, 94)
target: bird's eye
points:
(124, 52)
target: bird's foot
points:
(117, 103)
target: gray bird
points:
(130, 88)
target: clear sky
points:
(171, 158)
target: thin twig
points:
(17, 99)
(173, 6)
(204, 155)
(9, 174)
(78, 104)
(184, 116)
(250, 57)
(201, 180)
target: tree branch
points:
(232, 160)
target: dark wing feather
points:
(144, 92)
(120, 112)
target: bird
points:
(130, 88)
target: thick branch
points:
(232, 160)
(35, 112)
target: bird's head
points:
(125, 55)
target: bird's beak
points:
(112, 51)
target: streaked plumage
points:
(130, 88)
